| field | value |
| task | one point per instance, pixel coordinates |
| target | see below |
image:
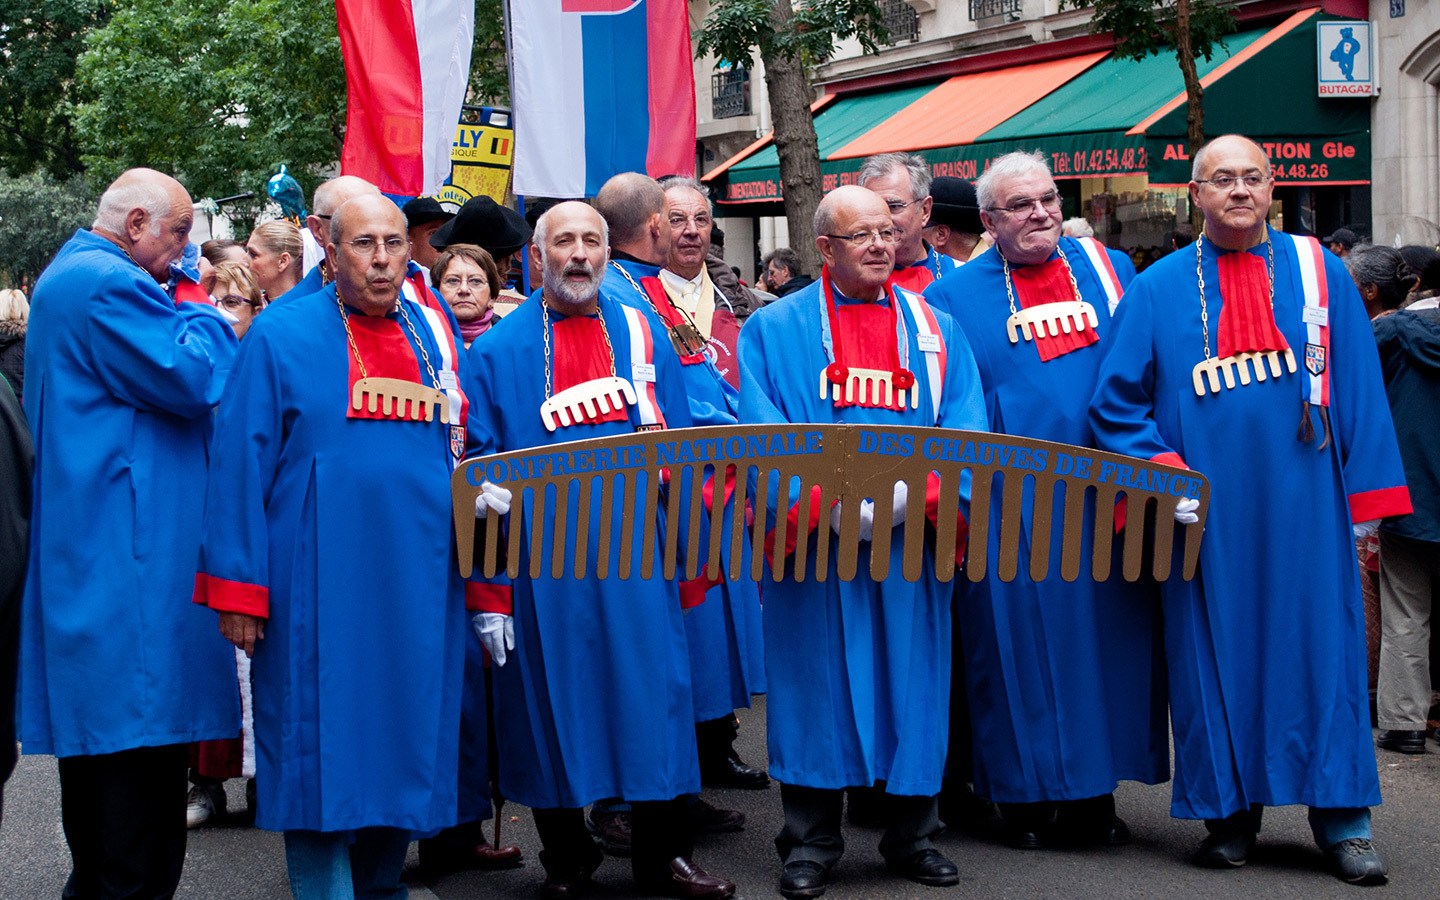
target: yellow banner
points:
(480, 157)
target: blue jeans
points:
(347, 865)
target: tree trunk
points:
(788, 86)
(1194, 91)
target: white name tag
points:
(447, 380)
(1315, 315)
(929, 343)
(643, 372)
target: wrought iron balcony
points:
(730, 93)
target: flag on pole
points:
(600, 87)
(407, 64)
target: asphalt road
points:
(237, 863)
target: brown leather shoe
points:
(488, 856)
(688, 881)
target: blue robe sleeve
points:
(234, 571)
(1122, 411)
(1360, 419)
(156, 356)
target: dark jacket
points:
(17, 460)
(1409, 343)
(793, 285)
(12, 354)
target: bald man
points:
(1266, 646)
(118, 673)
(315, 505)
(887, 643)
(329, 197)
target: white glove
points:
(902, 497)
(492, 496)
(1365, 530)
(1185, 511)
(497, 633)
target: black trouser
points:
(812, 825)
(658, 834)
(1089, 813)
(715, 738)
(124, 819)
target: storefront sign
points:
(1300, 160)
(1345, 58)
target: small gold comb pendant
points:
(875, 384)
(414, 401)
(1051, 320)
(1208, 372)
(589, 399)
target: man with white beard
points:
(592, 685)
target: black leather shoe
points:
(929, 867)
(1402, 741)
(1356, 861)
(731, 772)
(706, 818)
(803, 878)
(1228, 849)
(570, 884)
(687, 881)
(1022, 839)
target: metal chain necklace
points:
(1050, 319)
(396, 396)
(685, 336)
(1207, 373)
(588, 400)
(409, 326)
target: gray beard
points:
(560, 290)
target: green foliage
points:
(37, 215)
(489, 79)
(39, 41)
(1146, 27)
(735, 29)
(216, 93)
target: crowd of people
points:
(242, 561)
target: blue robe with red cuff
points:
(595, 699)
(1066, 680)
(337, 530)
(119, 387)
(727, 649)
(859, 671)
(1266, 646)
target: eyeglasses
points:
(1251, 180)
(884, 236)
(899, 205)
(367, 245)
(232, 302)
(699, 220)
(477, 283)
(1049, 202)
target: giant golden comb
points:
(846, 463)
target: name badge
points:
(643, 372)
(1315, 315)
(448, 381)
(929, 343)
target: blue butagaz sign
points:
(1346, 59)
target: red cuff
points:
(792, 540)
(1169, 459)
(495, 598)
(692, 593)
(187, 292)
(231, 596)
(1367, 506)
(932, 513)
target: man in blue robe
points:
(592, 690)
(1248, 357)
(858, 671)
(328, 554)
(117, 672)
(1065, 680)
(726, 656)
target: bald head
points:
(856, 238)
(367, 271)
(850, 199)
(148, 214)
(332, 195)
(633, 205)
(1225, 143)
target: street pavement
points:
(236, 863)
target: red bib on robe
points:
(1247, 323)
(387, 353)
(581, 354)
(866, 332)
(1049, 282)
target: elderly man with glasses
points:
(1249, 357)
(1064, 680)
(858, 671)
